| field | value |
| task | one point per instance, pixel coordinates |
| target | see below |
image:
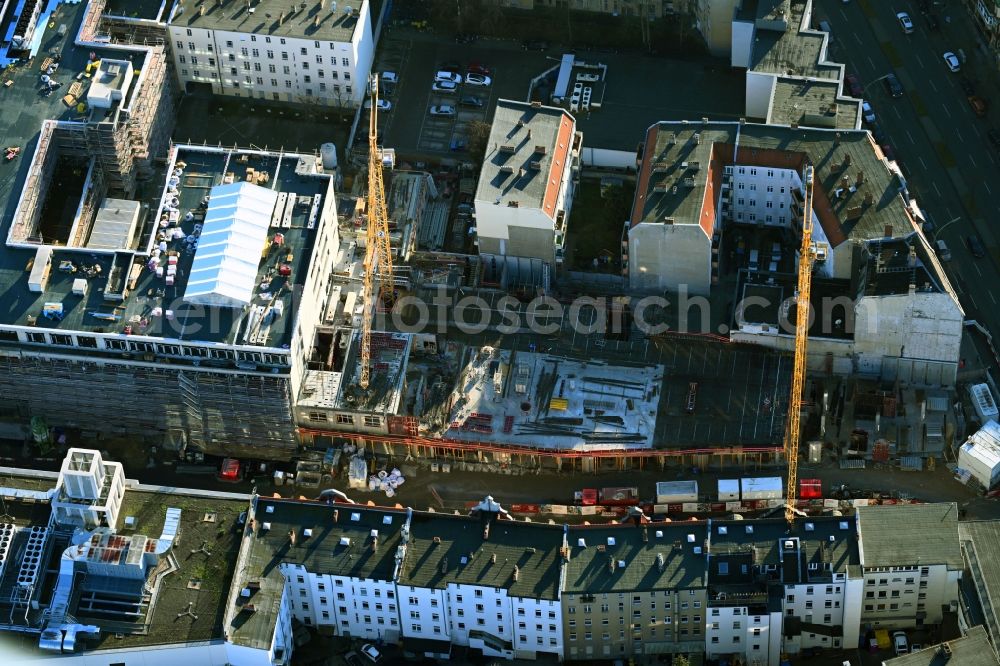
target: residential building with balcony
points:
(911, 563)
(635, 589)
(527, 182)
(317, 53)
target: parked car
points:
(474, 79)
(994, 137)
(445, 75)
(889, 153)
(371, 652)
(479, 68)
(878, 133)
(389, 77)
(892, 85)
(353, 659)
(905, 23)
(867, 112)
(444, 86)
(976, 246)
(899, 643)
(942, 250)
(951, 60)
(854, 85)
(442, 110)
(968, 86)
(979, 105)
(471, 102)
(384, 105)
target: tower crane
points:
(806, 258)
(378, 258)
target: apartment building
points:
(911, 562)
(483, 581)
(309, 53)
(635, 589)
(776, 591)
(527, 182)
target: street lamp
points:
(946, 225)
(867, 85)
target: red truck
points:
(607, 497)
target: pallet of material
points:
(286, 220)
(46, 64)
(279, 209)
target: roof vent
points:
(512, 204)
(541, 150)
(507, 169)
(345, 541)
(659, 534)
(789, 545)
(810, 527)
(536, 104)
(265, 527)
(749, 529)
(307, 532)
(535, 165)
(844, 525)
(690, 538)
(611, 541)
(387, 520)
(355, 516)
(832, 538)
(723, 529)
(269, 508)
(436, 539)
(689, 182)
(508, 149)
(697, 550)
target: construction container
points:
(761, 488)
(810, 489)
(729, 490)
(619, 496)
(983, 402)
(980, 455)
(676, 492)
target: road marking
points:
(910, 137)
(922, 162)
(987, 187)
(919, 62)
(932, 85)
(944, 106)
(934, 183)
(978, 270)
(972, 300)
(976, 130)
(970, 158)
(872, 62)
(992, 298)
(898, 114)
(857, 37)
(960, 136)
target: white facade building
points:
(753, 632)
(320, 55)
(527, 181)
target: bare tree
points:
(479, 136)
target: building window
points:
(181, 59)
(375, 422)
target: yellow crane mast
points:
(378, 257)
(806, 256)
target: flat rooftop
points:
(339, 543)
(893, 266)
(280, 18)
(899, 535)
(549, 401)
(157, 309)
(682, 170)
(198, 582)
(622, 558)
(973, 649)
(813, 103)
(797, 50)
(150, 10)
(525, 156)
(452, 549)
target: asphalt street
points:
(941, 145)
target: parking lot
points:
(683, 90)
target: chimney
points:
(520, 173)
(493, 558)
(912, 259)
(201, 10)
(611, 563)
(869, 199)
(529, 132)
(517, 572)
(444, 565)
(486, 532)
(291, 537)
(374, 543)
(845, 182)
(836, 138)
(847, 160)
(336, 515)
(281, 18)
(322, 4)
(316, 21)
(860, 180)
(661, 562)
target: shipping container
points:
(761, 488)
(586, 497)
(729, 490)
(675, 492)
